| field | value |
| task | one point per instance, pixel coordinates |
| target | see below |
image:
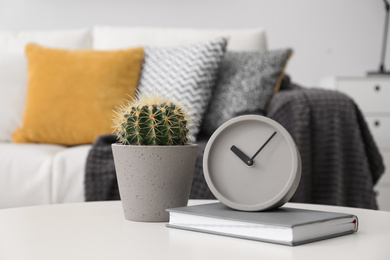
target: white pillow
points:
(13, 70)
(108, 38)
(67, 39)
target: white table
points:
(98, 230)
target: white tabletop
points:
(98, 230)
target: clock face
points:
(251, 163)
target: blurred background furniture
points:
(324, 42)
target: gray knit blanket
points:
(340, 161)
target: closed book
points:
(286, 226)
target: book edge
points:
(340, 215)
(293, 243)
(228, 235)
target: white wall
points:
(330, 37)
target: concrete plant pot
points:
(153, 178)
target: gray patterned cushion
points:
(246, 83)
(185, 74)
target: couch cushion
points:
(72, 93)
(26, 174)
(39, 174)
(68, 174)
(186, 74)
(107, 38)
(246, 84)
(13, 70)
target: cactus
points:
(152, 120)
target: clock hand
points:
(261, 148)
(241, 155)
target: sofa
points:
(341, 163)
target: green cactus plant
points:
(152, 120)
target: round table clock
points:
(251, 163)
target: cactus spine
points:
(152, 120)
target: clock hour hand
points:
(261, 148)
(248, 161)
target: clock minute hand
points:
(241, 155)
(261, 148)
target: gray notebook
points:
(287, 226)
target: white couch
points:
(35, 174)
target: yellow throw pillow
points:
(72, 94)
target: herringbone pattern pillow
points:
(185, 74)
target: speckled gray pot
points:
(153, 178)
